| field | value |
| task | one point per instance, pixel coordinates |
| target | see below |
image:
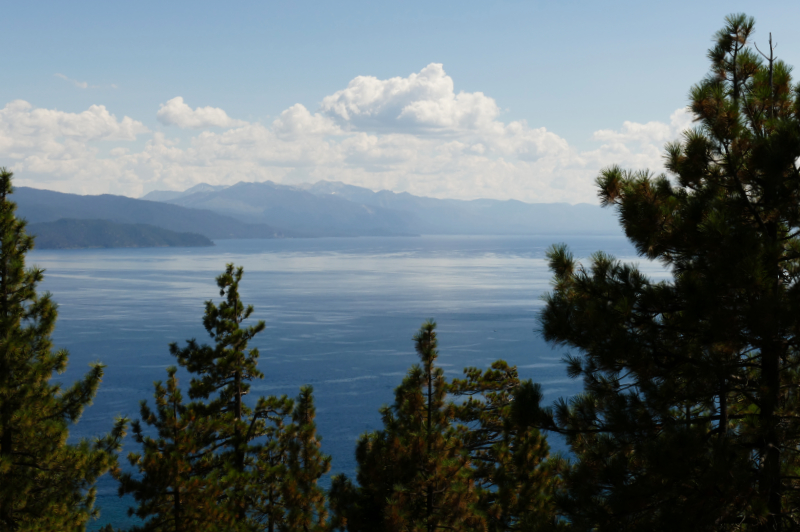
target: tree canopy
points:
(46, 484)
(449, 457)
(689, 416)
(215, 462)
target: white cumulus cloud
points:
(62, 150)
(297, 120)
(23, 125)
(176, 113)
(415, 134)
(424, 100)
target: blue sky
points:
(455, 99)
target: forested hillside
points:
(77, 234)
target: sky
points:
(507, 99)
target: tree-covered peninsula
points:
(82, 234)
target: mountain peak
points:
(168, 195)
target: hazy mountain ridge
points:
(166, 195)
(300, 210)
(37, 205)
(334, 208)
(325, 208)
(82, 234)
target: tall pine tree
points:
(412, 475)
(221, 376)
(45, 483)
(689, 415)
(270, 469)
(288, 469)
(267, 471)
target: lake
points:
(340, 315)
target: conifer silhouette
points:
(515, 477)
(217, 463)
(688, 420)
(46, 484)
(413, 475)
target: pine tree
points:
(45, 483)
(305, 465)
(222, 376)
(515, 477)
(266, 471)
(689, 415)
(270, 467)
(412, 475)
(173, 488)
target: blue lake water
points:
(340, 314)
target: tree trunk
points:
(6, 411)
(770, 482)
(770, 485)
(428, 458)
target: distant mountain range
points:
(329, 208)
(269, 210)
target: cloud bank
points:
(414, 134)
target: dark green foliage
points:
(288, 468)
(513, 473)
(439, 492)
(221, 377)
(270, 469)
(45, 483)
(303, 499)
(174, 488)
(75, 234)
(226, 369)
(412, 475)
(218, 464)
(689, 416)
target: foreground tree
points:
(215, 463)
(288, 468)
(221, 376)
(515, 477)
(173, 487)
(270, 470)
(689, 419)
(45, 483)
(412, 475)
(305, 465)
